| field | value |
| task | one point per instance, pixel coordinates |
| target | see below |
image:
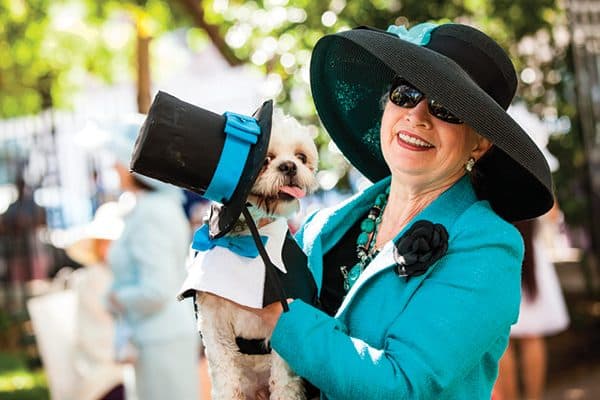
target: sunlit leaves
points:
(48, 48)
(196, 39)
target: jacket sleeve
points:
(460, 312)
(152, 252)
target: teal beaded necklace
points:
(365, 243)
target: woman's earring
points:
(469, 165)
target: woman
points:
(418, 275)
(148, 263)
(98, 375)
(543, 312)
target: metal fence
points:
(584, 22)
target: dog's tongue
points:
(293, 191)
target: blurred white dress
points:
(547, 313)
(97, 373)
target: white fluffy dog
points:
(287, 175)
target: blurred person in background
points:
(148, 263)
(196, 209)
(542, 312)
(19, 225)
(98, 376)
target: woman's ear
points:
(482, 145)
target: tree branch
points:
(194, 7)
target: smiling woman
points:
(424, 149)
(427, 252)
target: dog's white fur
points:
(237, 376)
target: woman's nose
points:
(419, 114)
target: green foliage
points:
(572, 178)
(48, 48)
(26, 394)
(18, 382)
(508, 21)
(43, 59)
(20, 77)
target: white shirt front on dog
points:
(240, 279)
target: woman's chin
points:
(410, 163)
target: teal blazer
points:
(435, 336)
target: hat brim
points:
(230, 211)
(350, 72)
(82, 251)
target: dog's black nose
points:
(288, 168)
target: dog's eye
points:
(302, 157)
(269, 158)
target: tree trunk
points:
(143, 72)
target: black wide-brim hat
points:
(216, 156)
(458, 66)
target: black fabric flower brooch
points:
(421, 245)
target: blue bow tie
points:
(241, 245)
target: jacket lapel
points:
(327, 227)
(444, 210)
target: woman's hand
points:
(270, 314)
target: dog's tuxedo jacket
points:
(244, 280)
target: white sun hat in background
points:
(107, 224)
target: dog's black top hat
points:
(456, 65)
(216, 156)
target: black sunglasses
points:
(405, 95)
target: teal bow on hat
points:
(419, 34)
(242, 245)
